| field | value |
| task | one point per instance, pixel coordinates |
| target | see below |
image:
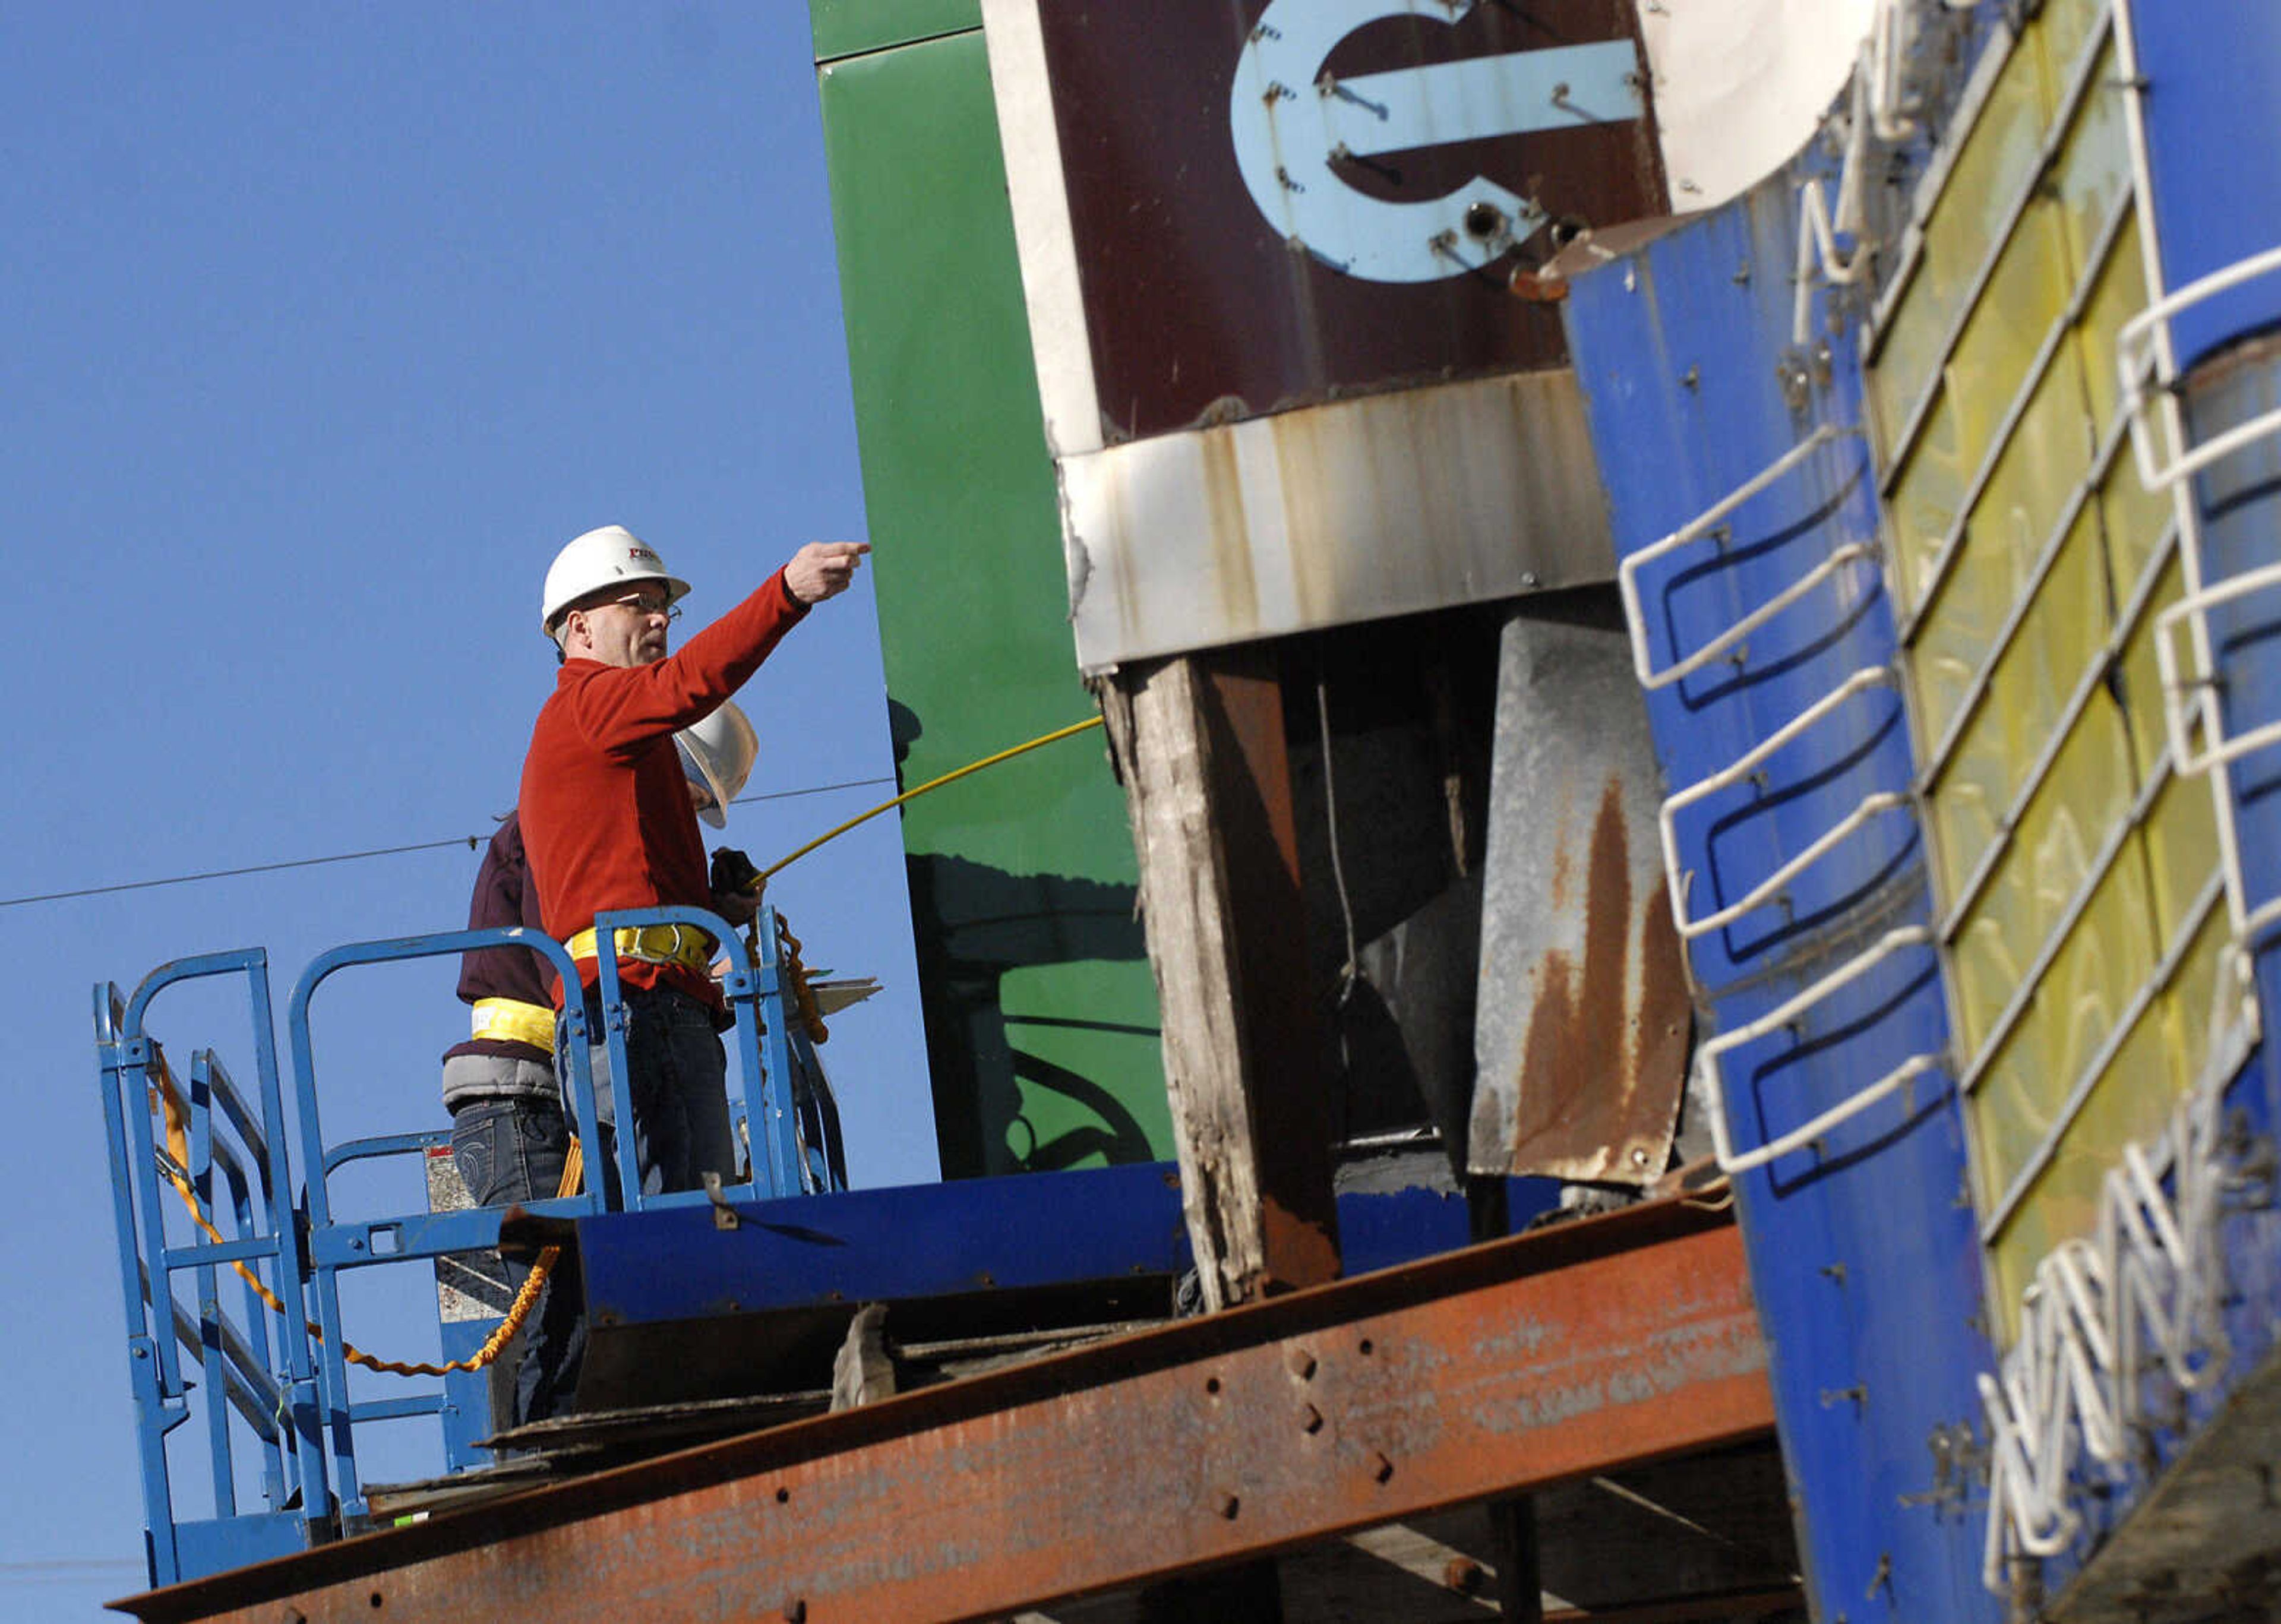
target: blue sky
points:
(325, 327)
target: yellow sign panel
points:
(2076, 873)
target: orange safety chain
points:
(803, 995)
(168, 1094)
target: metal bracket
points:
(2177, 683)
(1875, 804)
(724, 1215)
(2142, 360)
(1627, 574)
(1732, 1161)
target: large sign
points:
(1275, 203)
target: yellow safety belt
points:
(510, 1020)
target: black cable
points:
(471, 842)
(852, 784)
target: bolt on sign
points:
(1243, 227)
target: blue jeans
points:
(679, 1074)
(511, 1152)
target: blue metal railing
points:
(132, 1069)
(245, 1374)
(293, 1394)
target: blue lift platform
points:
(709, 1312)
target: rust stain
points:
(1300, 1252)
(1598, 1082)
(1230, 537)
(1665, 1016)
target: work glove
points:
(736, 886)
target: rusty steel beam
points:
(1488, 1372)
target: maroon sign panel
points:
(1279, 202)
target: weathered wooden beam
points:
(1199, 744)
(862, 1372)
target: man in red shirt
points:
(608, 822)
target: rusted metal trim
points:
(1488, 1372)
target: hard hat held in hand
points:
(605, 557)
(717, 758)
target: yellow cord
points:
(573, 1167)
(804, 996)
(931, 784)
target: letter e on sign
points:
(1299, 130)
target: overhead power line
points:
(472, 842)
(73, 1565)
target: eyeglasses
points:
(646, 604)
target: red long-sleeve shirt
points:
(606, 812)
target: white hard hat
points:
(599, 559)
(716, 756)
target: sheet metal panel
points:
(849, 27)
(1268, 252)
(2239, 498)
(855, 1246)
(2172, 1530)
(1496, 1370)
(1691, 408)
(1866, 1267)
(1581, 1035)
(2007, 549)
(964, 1237)
(2080, 873)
